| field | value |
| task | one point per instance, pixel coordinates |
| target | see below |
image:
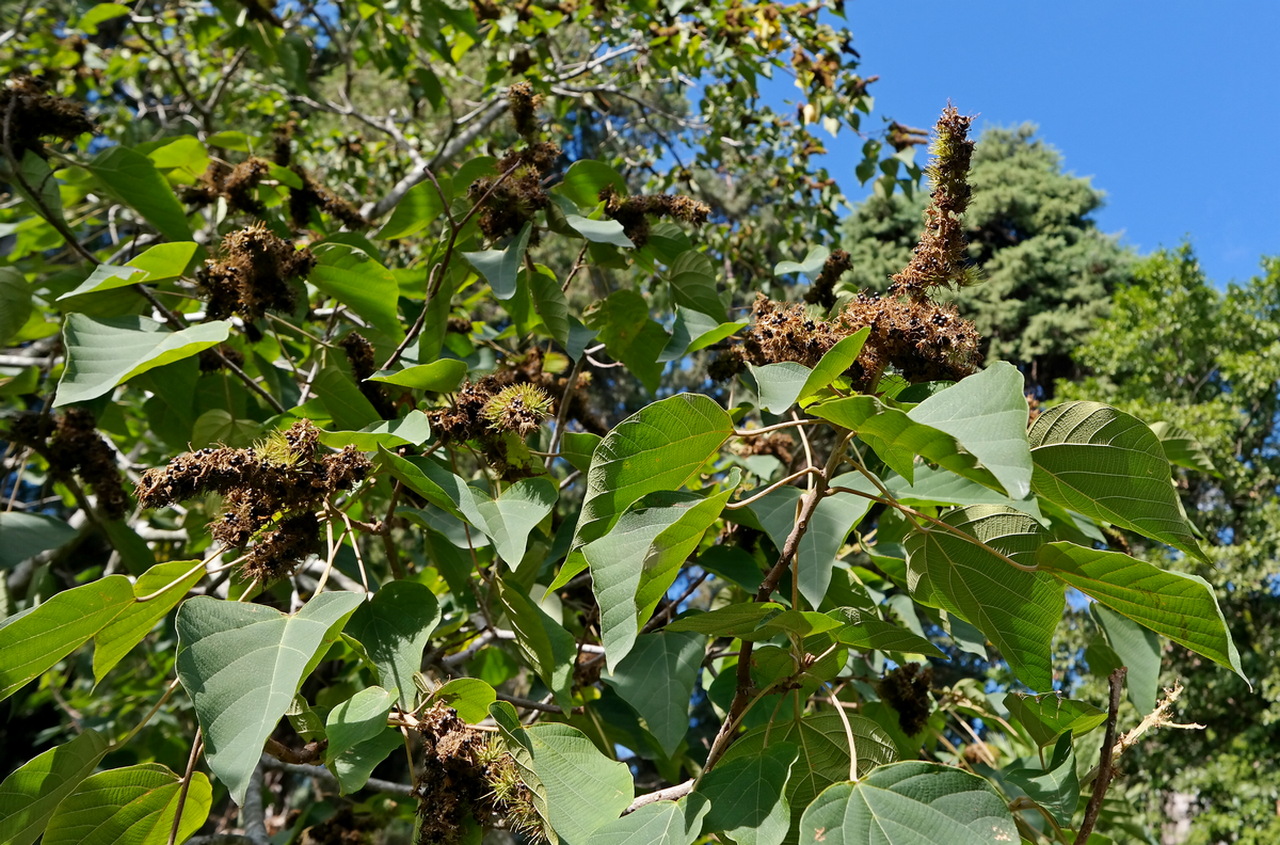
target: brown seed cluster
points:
(510, 199)
(270, 493)
(313, 195)
(634, 212)
(237, 185)
(254, 276)
(70, 442)
(360, 354)
(940, 259)
(524, 110)
(778, 444)
(823, 290)
(465, 777)
(906, 689)
(31, 113)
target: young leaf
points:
(104, 353)
(241, 665)
(135, 805)
(910, 803)
(157, 264)
(29, 796)
(811, 267)
(1018, 610)
(471, 697)
(34, 640)
(1181, 607)
(659, 447)
(1107, 465)
(598, 231)
(359, 736)
(657, 679)
(394, 628)
(748, 804)
(442, 376)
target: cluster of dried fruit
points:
(28, 113)
(254, 276)
(71, 444)
(270, 494)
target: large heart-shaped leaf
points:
(241, 664)
(910, 803)
(394, 628)
(135, 805)
(659, 447)
(104, 353)
(29, 796)
(657, 679)
(748, 804)
(1018, 610)
(660, 823)
(1181, 607)
(1106, 464)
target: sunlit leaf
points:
(135, 805)
(394, 627)
(29, 796)
(163, 586)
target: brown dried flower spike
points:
(31, 114)
(254, 276)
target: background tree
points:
(1045, 273)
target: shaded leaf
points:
(29, 796)
(394, 627)
(359, 736)
(133, 179)
(549, 648)
(747, 801)
(24, 535)
(693, 285)
(1182, 449)
(1136, 648)
(660, 823)
(15, 303)
(500, 266)
(656, 678)
(1047, 717)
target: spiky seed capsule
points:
(520, 408)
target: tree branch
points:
(1116, 681)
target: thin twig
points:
(1116, 681)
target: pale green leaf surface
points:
(598, 231)
(584, 180)
(910, 803)
(33, 641)
(779, 385)
(171, 580)
(104, 353)
(1180, 607)
(1138, 648)
(659, 447)
(660, 823)
(394, 627)
(23, 535)
(694, 331)
(241, 665)
(471, 697)
(411, 430)
(501, 266)
(29, 796)
(441, 376)
(1016, 609)
(157, 264)
(1106, 464)
(135, 805)
(132, 178)
(585, 790)
(509, 519)
(748, 804)
(550, 649)
(656, 678)
(811, 266)
(359, 736)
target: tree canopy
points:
(414, 429)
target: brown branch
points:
(1105, 770)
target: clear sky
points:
(1172, 108)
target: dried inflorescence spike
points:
(524, 109)
(31, 113)
(237, 185)
(70, 442)
(634, 212)
(906, 689)
(313, 195)
(254, 276)
(823, 290)
(510, 200)
(270, 493)
(940, 259)
(360, 354)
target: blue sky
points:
(1171, 108)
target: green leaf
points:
(694, 331)
(599, 231)
(656, 678)
(132, 178)
(811, 267)
(159, 263)
(630, 335)
(471, 697)
(550, 303)
(182, 159)
(100, 13)
(425, 477)
(824, 751)
(15, 303)
(34, 640)
(394, 627)
(500, 266)
(735, 620)
(1016, 609)
(660, 823)
(834, 362)
(987, 415)
(355, 279)
(910, 803)
(29, 796)
(637, 561)
(104, 353)
(420, 207)
(171, 581)
(1182, 449)
(660, 447)
(693, 285)
(1055, 787)
(747, 801)
(442, 376)
(359, 736)
(24, 535)
(779, 385)
(241, 665)
(509, 519)
(1136, 648)
(550, 649)
(1047, 717)
(1180, 607)
(135, 805)
(584, 180)
(864, 630)
(1106, 464)
(577, 447)
(411, 430)
(349, 409)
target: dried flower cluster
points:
(30, 113)
(254, 276)
(906, 690)
(524, 110)
(510, 199)
(237, 185)
(634, 212)
(70, 442)
(467, 777)
(270, 494)
(823, 290)
(360, 354)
